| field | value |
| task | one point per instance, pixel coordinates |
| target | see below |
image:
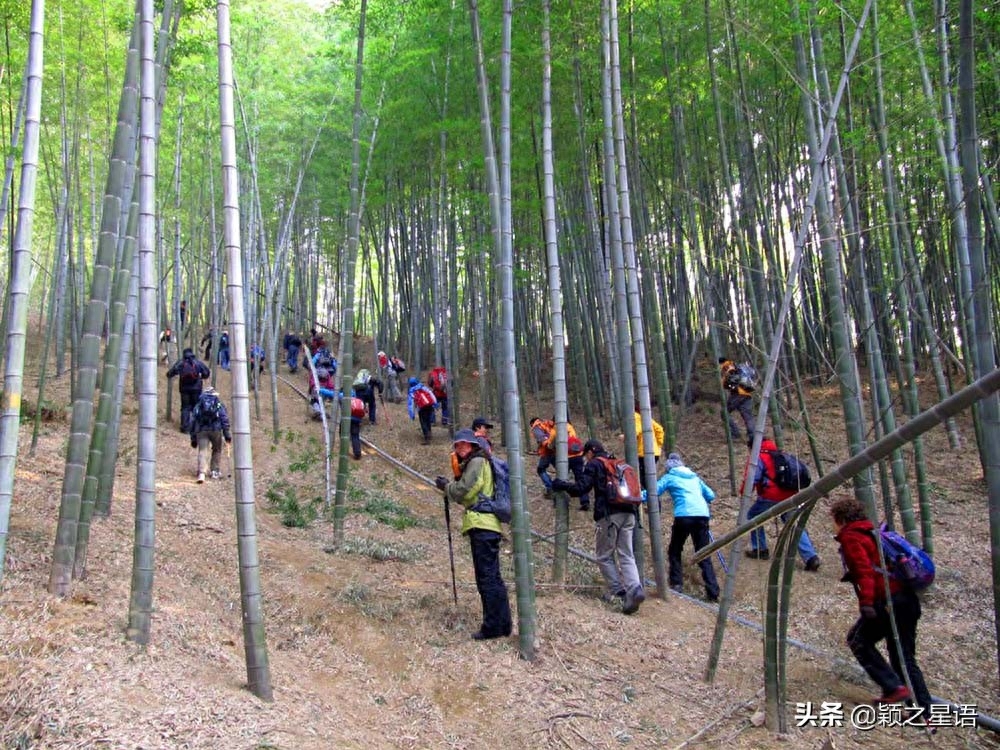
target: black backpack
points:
(207, 410)
(789, 472)
(190, 372)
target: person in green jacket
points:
(483, 530)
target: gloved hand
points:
(868, 613)
(441, 482)
(228, 438)
(561, 485)
(194, 442)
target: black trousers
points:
(372, 406)
(864, 636)
(489, 583)
(695, 527)
(188, 401)
(425, 415)
(356, 436)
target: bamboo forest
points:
(367, 365)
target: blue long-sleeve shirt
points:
(690, 494)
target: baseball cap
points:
(593, 446)
(481, 422)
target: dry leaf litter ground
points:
(367, 649)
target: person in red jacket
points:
(769, 493)
(859, 552)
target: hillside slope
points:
(367, 648)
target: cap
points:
(673, 460)
(466, 435)
(209, 389)
(380, 354)
(412, 382)
(481, 422)
(188, 352)
(593, 446)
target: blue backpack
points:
(499, 504)
(905, 562)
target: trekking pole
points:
(725, 567)
(385, 411)
(229, 461)
(451, 551)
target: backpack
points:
(622, 481)
(190, 372)
(905, 562)
(397, 364)
(224, 341)
(789, 472)
(742, 376)
(439, 381)
(362, 377)
(541, 430)
(325, 360)
(206, 411)
(422, 398)
(357, 407)
(499, 504)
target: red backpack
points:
(357, 407)
(422, 398)
(439, 381)
(622, 481)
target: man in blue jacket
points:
(691, 497)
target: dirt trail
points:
(367, 648)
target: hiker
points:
(437, 379)
(860, 555)
(574, 456)
(206, 341)
(392, 368)
(224, 350)
(739, 397)
(541, 431)
(166, 338)
(323, 380)
(481, 429)
(257, 357)
(316, 340)
(209, 427)
(184, 313)
(365, 386)
(691, 497)
(615, 524)
(657, 444)
(191, 372)
(483, 530)
(291, 344)
(420, 402)
(357, 405)
(769, 493)
(322, 359)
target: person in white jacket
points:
(691, 497)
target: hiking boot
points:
(812, 564)
(633, 599)
(712, 598)
(479, 635)
(898, 695)
(427, 439)
(216, 474)
(201, 477)
(677, 587)
(758, 554)
(584, 508)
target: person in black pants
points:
(483, 530)
(859, 551)
(191, 372)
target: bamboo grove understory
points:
(591, 201)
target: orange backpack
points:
(623, 482)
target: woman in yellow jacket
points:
(657, 441)
(483, 530)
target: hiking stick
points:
(229, 463)
(385, 411)
(711, 538)
(451, 550)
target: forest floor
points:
(368, 650)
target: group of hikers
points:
(608, 487)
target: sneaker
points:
(758, 554)
(216, 474)
(633, 599)
(898, 695)
(812, 564)
(201, 477)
